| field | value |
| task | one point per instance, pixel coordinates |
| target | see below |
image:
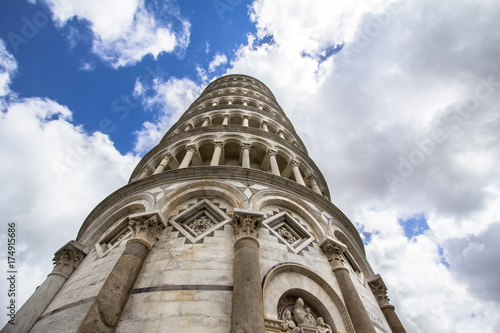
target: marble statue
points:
(289, 325)
(323, 327)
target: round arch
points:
(271, 197)
(289, 279)
(201, 188)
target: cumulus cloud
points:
(53, 174)
(410, 90)
(126, 31)
(219, 59)
(8, 66)
(169, 99)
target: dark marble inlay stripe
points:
(175, 287)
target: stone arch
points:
(203, 188)
(285, 200)
(300, 281)
(90, 233)
(359, 262)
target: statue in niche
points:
(299, 312)
(309, 318)
(289, 325)
(323, 327)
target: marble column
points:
(245, 121)
(245, 147)
(65, 260)
(274, 164)
(206, 121)
(146, 171)
(217, 152)
(359, 317)
(190, 151)
(248, 308)
(188, 127)
(226, 119)
(106, 309)
(163, 164)
(313, 182)
(379, 289)
(296, 172)
(280, 134)
(264, 126)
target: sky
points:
(396, 101)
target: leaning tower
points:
(225, 226)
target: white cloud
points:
(126, 30)
(219, 59)
(8, 66)
(53, 174)
(170, 98)
(406, 71)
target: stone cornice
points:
(223, 173)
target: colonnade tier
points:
(232, 146)
(242, 82)
(249, 118)
(238, 94)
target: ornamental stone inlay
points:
(199, 220)
(291, 232)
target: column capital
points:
(167, 156)
(246, 116)
(333, 250)
(226, 115)
(246, 222)
(246, 145)
(68, 257)
(312, 178)
(272, 152)
(379, 289)
(191, 148)
(219, 144)
(147, 169)
(294, 163)
(146, 228)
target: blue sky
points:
(396, 102)
(51, 61)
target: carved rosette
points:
(68, 258)
(333, 251)
(146, 229)
(379, 289)
(246, 223)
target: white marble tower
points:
(225, 226)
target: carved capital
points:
(191, 148)
(219, 144)
(333, 251)
(379, 289)
(272, 152)
(167, 156)
(246, 146)
(312, 178)
(146, 228)
(147, 169)
(294, 163)
(245, 116)
(246, 222)
(67, 258)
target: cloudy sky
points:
(396, 101)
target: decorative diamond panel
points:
(294, 235)
(199, 220)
